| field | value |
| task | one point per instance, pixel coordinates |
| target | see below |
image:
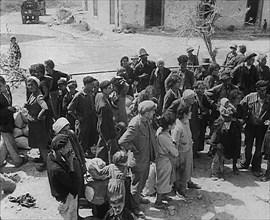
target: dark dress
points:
(229, 138)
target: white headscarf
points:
(35, 79)
(60, 124)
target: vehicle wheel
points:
(23, 20)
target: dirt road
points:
(238, 197)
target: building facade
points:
(172, 13)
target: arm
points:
(44, 107)
(72, 107)
(167, 143)
(152, 77)
(126, 141)
(64, 75)
(45, 90)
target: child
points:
(226, 108)
(118, 211)
(182, 136)
(62, 87)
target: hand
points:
(40, 117)
(12, 109)
(267, 122)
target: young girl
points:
(165, 161)
(183, 138)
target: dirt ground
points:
(238, 197)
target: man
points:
(105, 124)
(56, 75)
(157, 79)
(257, 105)
(192, 59)
(82, 108)
(187, 75)
(143, 70)
(14, 53)
(140, 139)
(263, 70)
(231, 55)
(63, 171)
(62, 86)
(203, 71)
(240, 58)
(244, 76)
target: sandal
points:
(24, 161)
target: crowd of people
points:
(145, 114)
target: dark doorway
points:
(252, 14)
(154, 13)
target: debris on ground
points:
(25, 200)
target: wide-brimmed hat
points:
(233, 46)
(206, 61)
(143, 52)
(190, 49)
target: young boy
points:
(117, 211)
(182, 136)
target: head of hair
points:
(37, 68)
(234, 94)
(182, 59)
(242, 49)
(2, 80)
(173, 79)
(261, 57)
(212, 67)
(198, 83)
(261, 83)
(167, 119)
(117, 199)
(150, 91)
(49, 63)
(182, 110)
(88, 80)
(119, 157)
(123, 58)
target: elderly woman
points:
(62, 126)
(38, 129)
(157, 79)
(8, 145)
(166, 156)
(174, 92)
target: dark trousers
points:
(137, 184)
(254, 132)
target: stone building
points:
(170, 13)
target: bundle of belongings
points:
(21, 129)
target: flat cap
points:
(250, 55)
(233, 46)
(146, 106)
(189, 49)
(104, 84)
(62, 81)
(72, 82)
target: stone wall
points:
(132, 13)
(232, 12)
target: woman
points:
(165, 161)
(38, 129)
(62, 126)
(8, 145)
(174, 92)
(228, 135)
(128, 75)
(157, 79)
